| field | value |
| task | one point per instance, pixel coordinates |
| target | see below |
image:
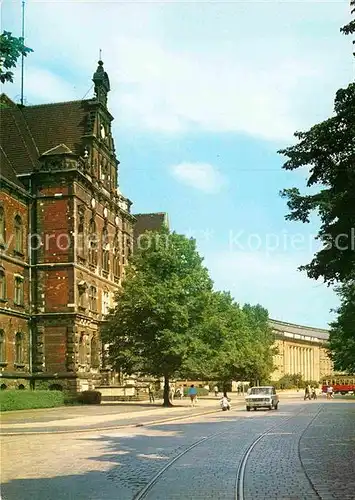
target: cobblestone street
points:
(305, 450)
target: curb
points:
(98, 429)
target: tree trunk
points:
(166, 398)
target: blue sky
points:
(204, 94)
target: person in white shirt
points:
(225, 404)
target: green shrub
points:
(23, 400)
(90, 397)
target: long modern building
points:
(301, 350)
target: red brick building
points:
(66, 234)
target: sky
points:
(204, 94)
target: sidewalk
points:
(111, 415)
(105, 416)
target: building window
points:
(105, 251)
(92, 243)
(95, 353)
(93, 298)
(2, 227)
(18, 298)
(105, 302)
(82, 349)
(2, 347)
(18, 235)
(19, 349)
(116, 257)
(82, 294)
(2, 285)
(81, 234)
(124, 248)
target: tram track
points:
(240, 477)
(241, 473)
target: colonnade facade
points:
(300, 350)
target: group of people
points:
(191, 393)
(310, 393)
(174, 392)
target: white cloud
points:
(169, 74)
(273, 281)
(202, 176)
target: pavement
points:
(110, 415)
(303, 451)
(105, 416)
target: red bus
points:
(342, 384)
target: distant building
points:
(149, 222)
(66, 235)
(301, 350)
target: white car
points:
(262, 397)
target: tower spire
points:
(101, 83)
(23, 55)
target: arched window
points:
(92, 243)
(105, 302)
(2, 285)
(80, 232)
(19, 292)
(105, 250)
(93, 298)
(116, 256)
(2, 347)
(2, 226)
(18, 234)
(82, 349)
(95, 353)
(19, 349)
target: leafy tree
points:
(349, 28)
(154, 328)
(11, 48)
(237, 342)
(342, 337)
(328, 149)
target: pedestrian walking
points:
(192, 392)
(171, 393)
(215, 390)
(329, 392)
(307, 393)
(151, 393)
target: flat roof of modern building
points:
(300, 332)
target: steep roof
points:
(149, 222)
(7, 172)
(30, 131)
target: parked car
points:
(262, 397)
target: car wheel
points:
(248, 408)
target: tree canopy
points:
(153, 329)
(328, 150)
(342, 336)
(11, 48)
(168, 322)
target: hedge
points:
(89, 397)
(24, 400)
